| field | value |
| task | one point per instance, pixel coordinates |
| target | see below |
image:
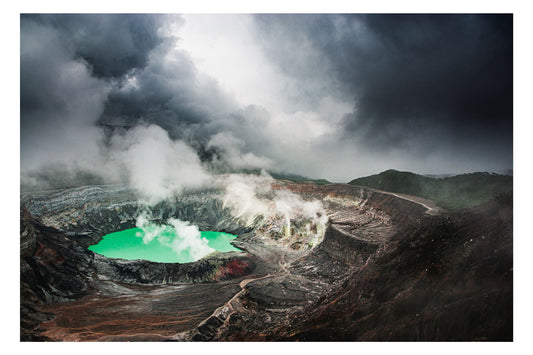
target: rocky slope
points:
(384, 269)
(442, 278)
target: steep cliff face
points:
(382, 269)
(53, 268)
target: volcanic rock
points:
(384, 269)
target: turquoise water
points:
(165, 247)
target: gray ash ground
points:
(386, 269)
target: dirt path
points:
(232, 306)
(431, 207)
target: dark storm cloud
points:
(70, 62)
(176, 97)
(59, 97)
(413, 77)
(452, 72)
(81, 74)
(134, 70)
(336, 96)
(112, 44)
(66, 81)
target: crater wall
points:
(275, 277)
(87, 213)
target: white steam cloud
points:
(251, 197)
(157, 166)
(189, 238)
(180, 236)
(243, 195)
(232, 148)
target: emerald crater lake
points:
(164, 244)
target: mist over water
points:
(163, 243)
(249, 198)
(181, 237)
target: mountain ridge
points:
(454, 192)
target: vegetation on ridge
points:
(455, 192)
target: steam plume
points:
(180, 236)
(251, 197)
(155, 165)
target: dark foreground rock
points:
(448, 278)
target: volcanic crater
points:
(384, 267)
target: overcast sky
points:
(325, 96)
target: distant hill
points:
(452, 193)
(286, 176)
(299, 178)
(437, 176)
